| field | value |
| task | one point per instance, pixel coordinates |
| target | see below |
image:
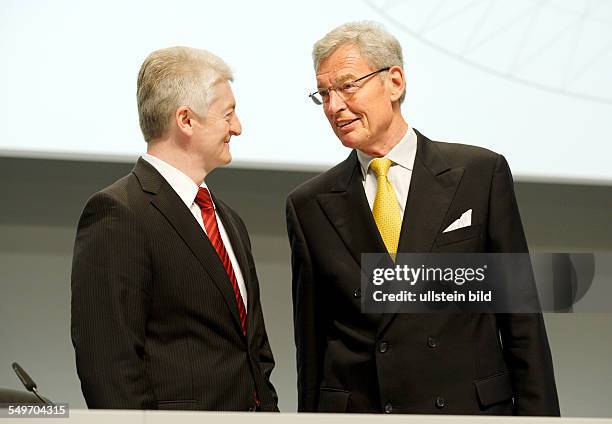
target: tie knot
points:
(380, 166)
(203, 199)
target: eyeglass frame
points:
(319, 102)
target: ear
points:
(396, 82)
(183, 118)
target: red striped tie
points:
(204, 201)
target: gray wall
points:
(42, 200)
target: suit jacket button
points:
(357, 294)
(382, 347)
(388, 408)
(431, 342)
(440, 402)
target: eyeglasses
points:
(345, 90)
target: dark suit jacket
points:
(154, 320)
(411, 363)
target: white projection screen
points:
(526, 78)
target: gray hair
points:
(378, 47)
(174, 77)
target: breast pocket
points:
(456, 236)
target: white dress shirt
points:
(402, 155)
(187, 191)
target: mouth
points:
(342, 124)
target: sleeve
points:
(265, 357)
(523, 336)
(308, 316)
(111, 276)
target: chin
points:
(225, 155)
(350, 142)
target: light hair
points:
(174, 77)
(377, 46)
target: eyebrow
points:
(346, 77)
(343, 78)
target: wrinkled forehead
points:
(343, 64)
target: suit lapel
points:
(231, 227)
(432, 188)
(178, 215)
(346, 207)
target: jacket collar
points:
(172, 207)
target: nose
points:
(235, 126)
(336, 103)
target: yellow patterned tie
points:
(386, 208)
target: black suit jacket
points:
(154, 320)
(411, 363)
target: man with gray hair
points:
(166, 311)
(399, 192)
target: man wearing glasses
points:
(400, 192)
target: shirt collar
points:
(402, 154)
(179, 181)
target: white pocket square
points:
(464, 220)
